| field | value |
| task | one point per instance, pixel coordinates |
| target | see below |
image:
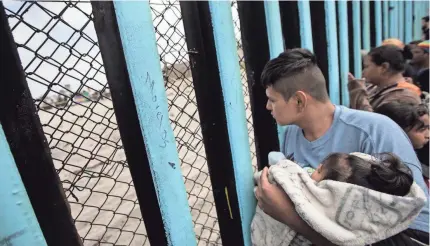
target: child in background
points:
(414, 120)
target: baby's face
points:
(317, 175)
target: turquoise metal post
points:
(343, 50)
(378, 22)
(357, 38)
(401, 20)
(18, 223)
(366, 24)
(333, 59)
(276, 42)
(386, 19)
(408, 21)
(417, 20)
(228, 63)
(393, 19)
(305, 24)
(143, 65)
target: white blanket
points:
(343, 213)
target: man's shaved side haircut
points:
(295, 70)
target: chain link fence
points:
(184, 118)
(58, 48)
(59, 52)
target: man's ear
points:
(301, 100)
(385, 66)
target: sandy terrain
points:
(84, 139)
(87, 152)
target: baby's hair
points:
(384, 173)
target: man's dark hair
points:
(390, 54)
(425, 18)
(386, 173)
(295, 70)
(406, 115)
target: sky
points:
(170, 45)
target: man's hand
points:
(275, 202)
(271, 198)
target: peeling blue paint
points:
(18, 223)
(143, 64)
(408, 21)
(228, 64)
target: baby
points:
(350, 199)
(385, 174)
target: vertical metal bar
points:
(290, 24)
(372, 24)
(417, 20)
(143, 123)
(212, 111)
(320, 37)
(408, 21)
(357, 38)
(386, 19)
(393, 19)
(276, 44)
(343, 50)
(305, 24)
(136, 32)
(350, 36)
(228, 64)
(332, 50)
(366, 24)
(424, 11)
(18, 224)
(257, 54)
(401, 20)
(28, 145)
(274, 29)
(378, 23)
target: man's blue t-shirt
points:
(358, 131)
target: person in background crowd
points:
(410, 70)
(425, 27)
(420, 60)
(298, 99)
(414, 120)
(383, 68)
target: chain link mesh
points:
(184, 118)
(58, 48)
(59, 52)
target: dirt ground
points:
(88, 154)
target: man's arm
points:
(276, 203)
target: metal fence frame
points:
(192, 92)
